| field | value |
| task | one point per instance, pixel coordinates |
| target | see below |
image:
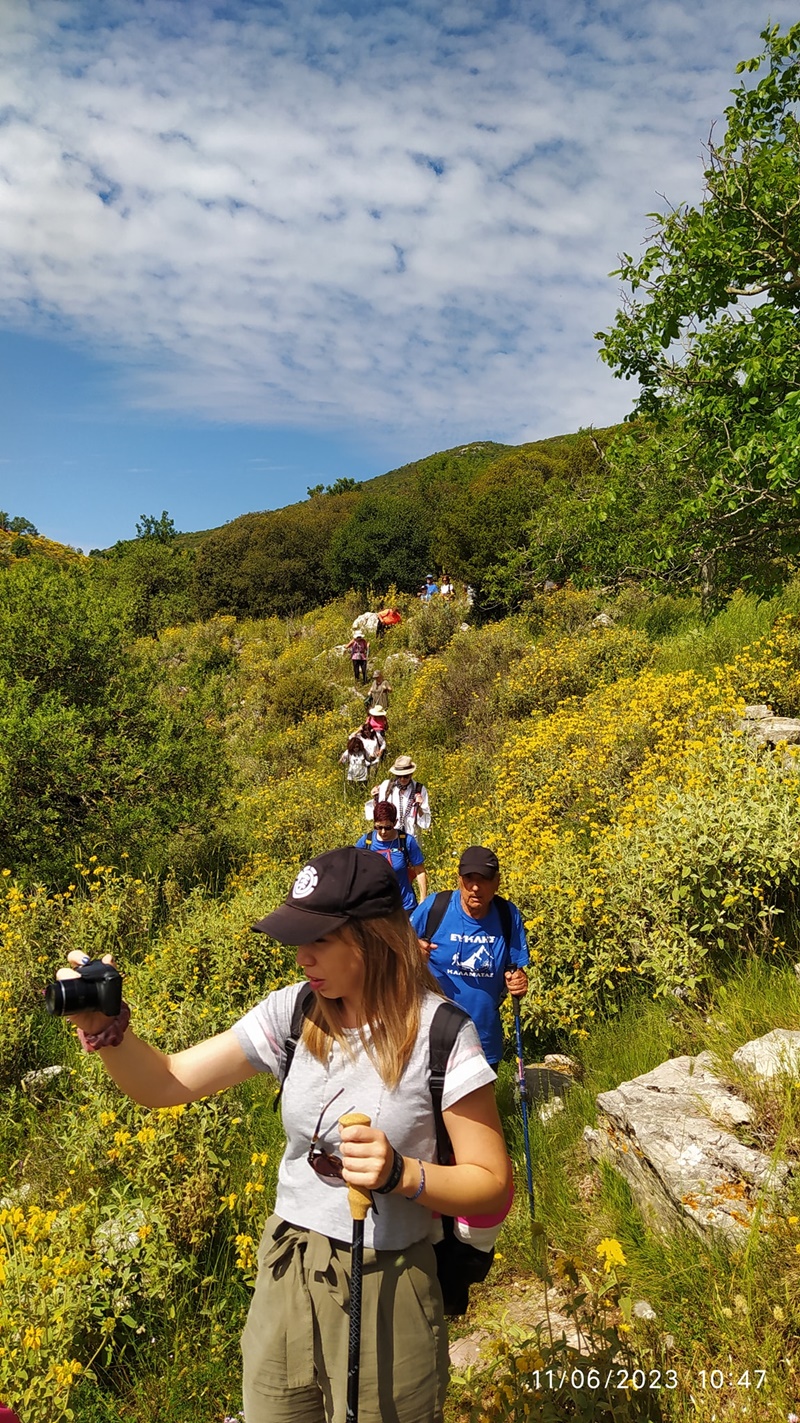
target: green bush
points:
(300, 694)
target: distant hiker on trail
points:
(409, 797)
(401, 850)
(447, 590)
(387, 618)
(378, 692)
(475, 944)
(359, 1020)
(429, 588)
(358, 762)
(378, 721)
(358, 647)
(374, 741)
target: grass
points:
(733, 1311)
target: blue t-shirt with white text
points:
(470, 961)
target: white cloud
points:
(357, 214)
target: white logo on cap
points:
(306, 883)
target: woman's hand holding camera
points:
(90, 1020)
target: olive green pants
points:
(295, 1341)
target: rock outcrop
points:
(672, 1134)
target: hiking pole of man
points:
(475, 944)
(401, 850)
(409, 796)
(358, 647)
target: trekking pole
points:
(523, 1101)
(359, 1202)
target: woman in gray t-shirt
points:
(364, 1047)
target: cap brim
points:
(290, 924)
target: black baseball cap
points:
(477, 860)
(329, 890)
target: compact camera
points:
(99, 987)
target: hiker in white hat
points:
(408, 795)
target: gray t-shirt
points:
(405, 1115)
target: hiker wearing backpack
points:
(358, 647)
(378, 692)
(362, 1039)
(409, 796)
(400, 849)
(475, 944)
(357, 760)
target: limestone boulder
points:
(777, 1054)
(367, 622)
(769, 730)
(400, 660)
(672, 1134)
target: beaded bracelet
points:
(421, 1186)
(109, 1036)
(394, 1175)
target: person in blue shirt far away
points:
(401, 850)
(476, 946)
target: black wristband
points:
(394, 1175)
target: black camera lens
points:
(98, 988)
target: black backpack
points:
(458, 1264)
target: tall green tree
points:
(384, 542)
(710, 331)
(93, 755)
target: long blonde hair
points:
(396, 979)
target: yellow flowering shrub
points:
(569, 666)
(71, 1284)
(639, 832)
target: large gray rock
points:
(367, 622)
(777, 1054)
(670, 1134)
(400, 659)
(770, 730)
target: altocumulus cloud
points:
(326, 213)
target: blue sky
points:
(246, 247)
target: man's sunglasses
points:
(323, 1162)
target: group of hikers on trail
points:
(395, 1177)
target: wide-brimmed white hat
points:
(403, 766)
(377, 711)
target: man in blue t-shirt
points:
(473, 959)
(401, 850)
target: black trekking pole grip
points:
(359, 1202)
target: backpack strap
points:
(504, 910)
(445, 1027)
(301, 1006)
(437, 912)
(402, 837)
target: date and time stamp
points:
(646, 1380)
